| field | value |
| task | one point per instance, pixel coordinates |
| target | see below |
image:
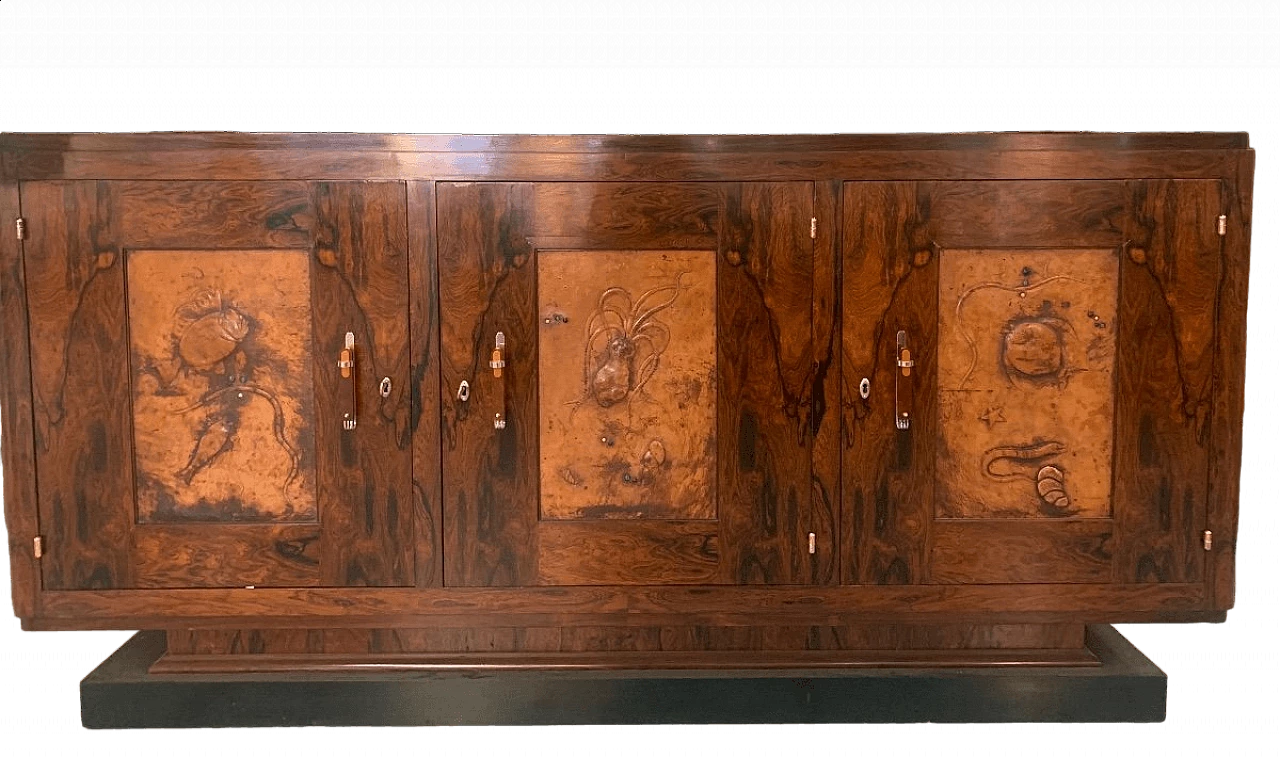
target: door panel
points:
(656, 382)
(188, 405)
(1060, 380)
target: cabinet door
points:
(650, 421)
(189, 408)
(1061, 334)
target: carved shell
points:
(1050, 485)
(212, 338)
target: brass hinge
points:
(1222, 225)
(37, 546)
(20, 227)
(813, 228)
(1208, 540)
(813, 543)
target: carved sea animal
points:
(1033, 348)
(1051, 487)
(208, 331)
(214, 439)
(625, 341)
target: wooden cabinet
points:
(528, 394)
(188, 405)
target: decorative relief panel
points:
(1025, 377)
(627, 387)
(220, 345)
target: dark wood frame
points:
(423, 159)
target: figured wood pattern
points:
(18, 445)
(424, 389)
(1025, 380)
(1168, 312)
(191, 556)
(575, 553)
(490, 479)
(627, 384)
(223, 410)
(80, 380)
(890, 284)
(360, 284)
(824, 406)
(764, 312)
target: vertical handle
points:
(902, 383)
(347, 368)
(498, 363)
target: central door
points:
(628, 373)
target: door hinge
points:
(1222, 225)
(813, 543)
(20, 228)
(1208, 540)
(813, 228)
(37, 546)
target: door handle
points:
(497, 361)
(902, 383)
(347, 369)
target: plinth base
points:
(1126, 687)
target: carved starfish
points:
(992, 416)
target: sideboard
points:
(320, 402)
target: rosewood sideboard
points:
(621, 406)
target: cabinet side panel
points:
(80, 370)
(490, 477)
(17, 445)
(424, 399)
(765, 371)
(1228, 388)
(1168, 303)
(889, 284)
(360, 284)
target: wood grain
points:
(221, 363)
(360, 283)
(620, 216)
(80, 380)
(824, 405)
(1002, 551)
(1228, 386)
(627, 384)
(713, 605)
(628, 552)
(632, 638)
(1168, 307)
(424, 387)
(205, 556)
(1026, 385)
(889, 284)
(490, 478)
(765, 371)
(596, 166)
(17, 447)
(588, 143)
(230, 214)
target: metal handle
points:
(497, 361)
(902, 383)
(347, 369)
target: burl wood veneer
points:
(621, 401)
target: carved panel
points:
(627, 395)
(1025, 377)
(221, 345)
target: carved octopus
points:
(625, 341)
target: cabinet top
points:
(179, 156)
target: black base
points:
(1127, 687)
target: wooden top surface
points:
(585, 143)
